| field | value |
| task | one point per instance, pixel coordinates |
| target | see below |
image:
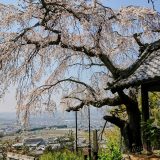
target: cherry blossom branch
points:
(47, 87)
(96, 103)
(88, 51)
(149, 49)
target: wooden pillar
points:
(145, 104)
(95, 145)
(145, 115)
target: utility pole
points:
(89, 129)
(76, 131)
(76, 139)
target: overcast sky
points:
(8, 103)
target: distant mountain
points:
(7, 117)
(58, 118)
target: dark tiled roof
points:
(33, 141)
(148, 71)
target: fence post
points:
(95, 145)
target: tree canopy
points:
(46, 43)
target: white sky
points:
(8, 103)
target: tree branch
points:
(47, 87)
(126, 99)
(130, 70)
(0, 64)
(148, 50)
(115, 120)
(152, 1)
(88, 51)
(97, 103)
(76, 108)
(105, 59)
(50, 6)
(142, 46)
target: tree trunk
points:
(133, 126)
(130, 129)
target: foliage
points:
(25, 150)
(152, 126)
(48, 149)
(154, 99)
(6, 147)
(65, 155)
(154, 103)
(113, 148)
(120, 112)
(152, 133)
(71, 140)
(67, 141)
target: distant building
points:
(34, 142)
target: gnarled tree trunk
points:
(130, 129)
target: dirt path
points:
(141, 157)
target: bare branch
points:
(142, 46)
(152, 1)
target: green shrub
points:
(65, 155)
(111, 153)
(151, 132)
(112, 150)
